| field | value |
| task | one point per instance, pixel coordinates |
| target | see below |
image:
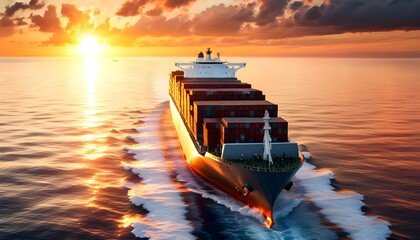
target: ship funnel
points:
(267, 138)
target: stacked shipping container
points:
(240, 130)
(201, 94)
(220, 111)
(211, 133)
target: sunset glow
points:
(89, 45)
(252, 28)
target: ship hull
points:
(258, 189)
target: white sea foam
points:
(307, 155)
(157, 193)
(342, 208)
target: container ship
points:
(230, 134)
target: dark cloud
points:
(36, 4)
(271, 22)
(33, 4)
(49, 22)
(359, 16)
(171, 4)
(222, 20)
(313, 13)
(12, 9)
(295, 5)
(269, 11)
(135, 7)
(20, 21)
(131, 8)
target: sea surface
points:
(88, 151)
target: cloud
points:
(77, 18)
(114, 36)
(157, 11)
(131, 8)
(20, 21)
(36, 4)
(134, 7)
(295, 5)
(269, 11)
(78, 23)
(33, 4)
(160, 26)
(7, 26)
(257, 21)
(360, 16)
(172, 4)
(268, 20)
(223, 20)
(49, 22)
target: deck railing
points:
(256, 164)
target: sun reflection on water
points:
(128, 220)
(94, 146)
(91, 72)
(94, 185)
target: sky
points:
(270, 28)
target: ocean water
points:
(87, 151)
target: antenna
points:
(267, 138)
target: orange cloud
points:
(171, 23)
(47, 23)
(222, 20)
(12, 9)
(131, 8)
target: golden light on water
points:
(91, 72)
(94, 147)
(128, 220)
(94, 185)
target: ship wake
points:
(239, 221)
(342, 208)
(157, 193)
(160, 194)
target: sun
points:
(89, 45)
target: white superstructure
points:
(208, 67)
